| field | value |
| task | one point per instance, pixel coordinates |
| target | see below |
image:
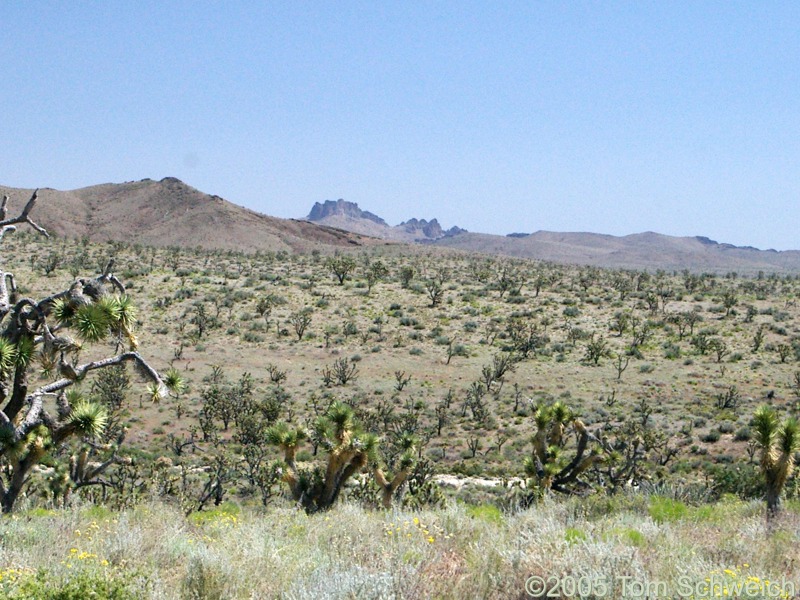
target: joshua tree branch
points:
(36, 413)
(23, 216)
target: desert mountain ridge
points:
(647, 250)
(347, 215)
(168, 212)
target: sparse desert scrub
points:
(199, 310)
(455, 552)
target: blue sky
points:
(499, 117)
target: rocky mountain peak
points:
(331, 208)
(430, 229)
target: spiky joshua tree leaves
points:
(36, 333)
(389, 486)
(777, 442)
(349, 451)
(549, 467)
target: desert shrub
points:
(486, 512)
(573, 535)
(726, 427)
(86, 576)
(742, 480)
(666, 510)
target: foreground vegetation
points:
(153, 551)
(345, 383)
(455, 355)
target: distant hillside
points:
(637, 251)
(348, 216)
(171, 213)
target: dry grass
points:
(451, 553)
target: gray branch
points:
(23, 216)
(36, 414)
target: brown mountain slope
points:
(638, 251)
(171, 213)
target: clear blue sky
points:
(611, 117)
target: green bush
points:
(486, 512)
(573, 535)
(634, 537)
(663, 509)
(742, 480)
(86, 578)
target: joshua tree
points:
(435, 286)
(596, 348)
(389, 486)
(435, 291)
(341, 267)
(406, 275)
(548, 466)
(719, 348)
(729, 300)
(33, 422)
(777, 442)
(264, 306)
(349, 452)
(301, 320)
(376, 271)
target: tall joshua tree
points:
(777, 442)
(35, 420)
(349, 451)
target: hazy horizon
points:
(610, 118)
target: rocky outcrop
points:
(429, 229)
(348, 216)
(331, 208)
(454, 230)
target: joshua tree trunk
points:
(8, 496)
(773, 502)
(388, 488)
